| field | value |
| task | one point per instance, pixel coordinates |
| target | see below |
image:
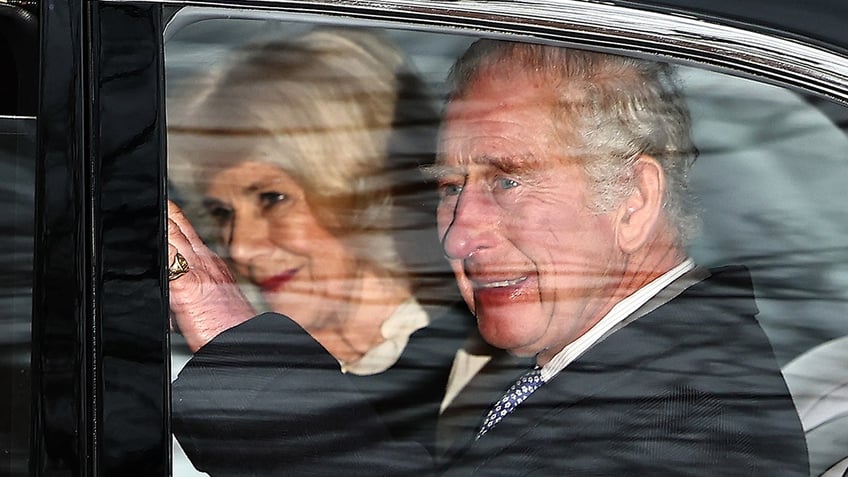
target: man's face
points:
(534, 263)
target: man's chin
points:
(508, 335)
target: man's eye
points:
(449, 189)
(270, 199)
(506, 183)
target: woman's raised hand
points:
(205, 299)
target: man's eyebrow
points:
(437, 171)
(509, 164)
(513, 163)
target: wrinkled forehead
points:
(499, 122)
(494, 87)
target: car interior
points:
(767, 183)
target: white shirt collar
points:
(408, 318)
(616, 315)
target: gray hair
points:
(611, 110)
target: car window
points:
(766, 187)
(17, 153)
(18, 59)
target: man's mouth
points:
(498, 283)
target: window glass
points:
(17, 159)
(314, 163)
(18, 101)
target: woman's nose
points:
(247, 240)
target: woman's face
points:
(275, 241)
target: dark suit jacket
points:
(265, 399)
(691, 388)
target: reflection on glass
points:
(298, 161)
(17, 186)
(322, 216)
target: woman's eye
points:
(219, 211)
(221, 215)
(270, 199)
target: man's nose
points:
(471, 225)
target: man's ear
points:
(638, 215)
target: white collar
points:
(621, 311)
(408, 318)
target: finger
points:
(172, 253)
(178, 241)
(185, 240)
(182, 235)
(199, 256)
(196, 252)
(176, 215)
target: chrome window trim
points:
(673, 35)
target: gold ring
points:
(178, 268)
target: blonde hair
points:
(331, 108)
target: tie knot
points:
(515, 395)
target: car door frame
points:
(100, 333)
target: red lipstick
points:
(277, 281)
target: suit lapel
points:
(652, 332)
(462, 418)
(589, 377)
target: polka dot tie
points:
(515, 395)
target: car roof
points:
(819, 20)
